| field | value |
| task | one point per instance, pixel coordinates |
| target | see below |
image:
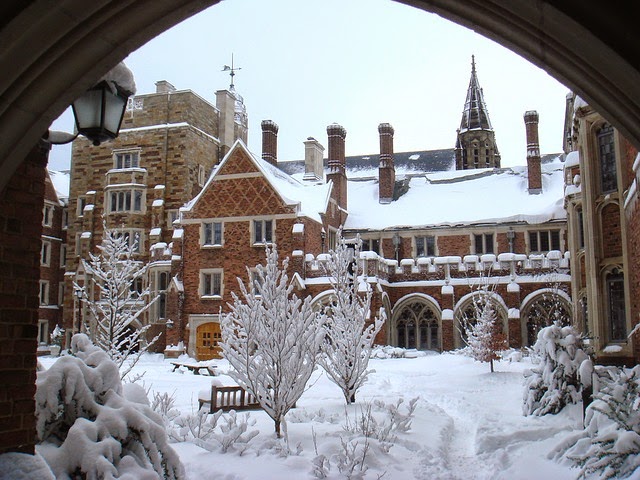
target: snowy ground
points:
(468, 424)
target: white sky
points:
(354, 62)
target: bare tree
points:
(346, 349)
(271, 339)
(118, 300)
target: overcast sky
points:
(307, 64)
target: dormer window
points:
(123, 160)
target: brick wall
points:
(20, 228)
(611, 233)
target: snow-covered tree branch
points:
(90, 425)
(118, 301)
(346, 349)
(271, 339)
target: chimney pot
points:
(270, 142)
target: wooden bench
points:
(195, 368)
(228, 398)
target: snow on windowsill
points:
(612, 349)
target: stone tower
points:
(476, 142)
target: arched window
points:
(615, 306)
(474, 307)
(417, 326)
(544, 310)
(607, 157)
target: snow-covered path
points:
(468, 424)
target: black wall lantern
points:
(99, 111)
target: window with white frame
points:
(63, 254)
(212, 234)
(159, 284)
(483, 243)
(44, 292)
(43, 332)
(201, 175)
(371, 245)
(544, 240)
(616, 310)
(172, 216)
(425, 246)
(133, 237)
(211, 283)
(45, 253)
(82, 202)
(61, 293)
(126, 200)
(78, 243)
(262, 231)
(47, 215)
(129, 159)
(256, 282)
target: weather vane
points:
(232, 71)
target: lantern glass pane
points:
(88, 109)
(114, 108)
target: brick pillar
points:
(512, 299)
(533, 152)
(21, 204)
(270, 142)
(386, 170)
(337, 163)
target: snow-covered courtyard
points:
(467, 424)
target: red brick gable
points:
(230, 194)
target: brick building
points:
(53, 252)
(601, 199)
(168, 144)
(430, 233)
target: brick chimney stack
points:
(533, 152)
(270, 142)
(386, 170)
(313, 160)
(337, 174)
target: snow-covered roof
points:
(60, 180)
(463, 197)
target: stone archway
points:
(53, 51)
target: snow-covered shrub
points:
(300, 415)
(387, 351)
(194, 426)
(609, 447)
(57, 336)
(164, 405)
(554, 382)
(89, 425)
(234, 431)
(346, 349)
(271, 339)
(351, 461)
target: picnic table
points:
(195, 368)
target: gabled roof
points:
(463, 197)
(475, 115)
(60, 181)
(311, 199)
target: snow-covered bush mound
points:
(609, 447)
(89, 425)
(554, 382)
(387, 351)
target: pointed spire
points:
(475, 115)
